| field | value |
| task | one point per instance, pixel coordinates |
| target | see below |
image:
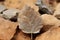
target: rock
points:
(19, 4)
(52, 4)
(10, 13)
(52, 34)
(2, 8)
(2, 2)
(21, 36)
(43, 8)
(7, 29)
(57, 11)
(29, 20)
(49, 21)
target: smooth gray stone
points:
(10, 13)
(29, 21)
(2, 8)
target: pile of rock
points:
(16, 24)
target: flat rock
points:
(10, 13)
(52, 34)
(49, 21)
(7, 29)
(29, 20)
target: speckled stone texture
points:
(7, 29)
(29, 20)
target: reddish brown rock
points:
(52, 34)
(21, 36)
(7, 29)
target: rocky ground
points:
(25, 19)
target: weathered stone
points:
(52, 34)
(2, 8)
(7, 29)
(19, 4)
(49, 21)
(10, 13)
(43, 8)
(29, 20)
(21, 36)
(57, 11)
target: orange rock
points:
(49, 21)
(57, 11)
(52, 34)
(21, 36)
(20, 4)
(7, 29)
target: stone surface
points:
(19, 4)
(7, 29)
(29, 20)
(52, 34)
(49, 21)
(10, 13)
(2, 8)
(57, 11)
(21, 36)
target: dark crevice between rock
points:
(13, 19)
(34, 35)
(41, 11)
(44, 11)
(58, 1)
(45, 28)
(17, 30)
(2, 0)
(3, 11)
